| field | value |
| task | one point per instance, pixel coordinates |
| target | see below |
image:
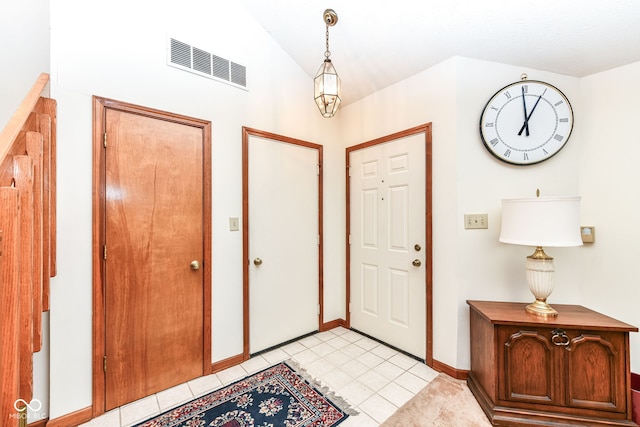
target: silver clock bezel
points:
(501, 149)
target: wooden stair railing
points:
(27, 244)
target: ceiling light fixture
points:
(326, 82)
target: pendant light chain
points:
(327, 52)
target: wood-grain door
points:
(283, 244)
(389, 250)
(154, 255)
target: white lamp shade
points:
(541, 221)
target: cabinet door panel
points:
(594, 370)
(530, 367)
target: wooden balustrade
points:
(27, 242)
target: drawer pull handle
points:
(560, 337)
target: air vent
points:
(220, 68)
(238, 74)
(189, 58)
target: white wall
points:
(486, 268)
(24, 31)
(609, 177)
(119, 52)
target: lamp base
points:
(540, 278)
(540, 308)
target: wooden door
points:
(155, 235)
(283, 239)
(389, 249)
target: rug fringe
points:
(339, 401)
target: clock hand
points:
(526, 121)
(524, 105)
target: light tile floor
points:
(375, 379)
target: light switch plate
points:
(234, 223)
(474, 221)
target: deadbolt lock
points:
(417, 247)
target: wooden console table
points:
(569, 370)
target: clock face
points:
(526, 122)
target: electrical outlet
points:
(474, 221)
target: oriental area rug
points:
(277, 396)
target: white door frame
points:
(426, 129)
(246, 134)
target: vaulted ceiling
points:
(377, 43)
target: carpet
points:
(278, 396)
(444, 402)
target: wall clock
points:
(526, 122)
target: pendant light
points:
(326, 82)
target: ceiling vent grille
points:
(198, 61)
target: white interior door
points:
(387, 234)
(283, 241)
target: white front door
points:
(388, 242)
(283, 248)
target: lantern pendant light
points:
(326, 82)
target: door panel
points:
(399, 294)
(154, 221)
(387, 220)
(283, 223)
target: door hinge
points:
(318, 239)
(104, 252)
(318, 170)
(349, 307)
(104, 140)
(104, 363)
(349, 238)
(318, 309)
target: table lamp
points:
(541, 221)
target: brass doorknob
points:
(416, 263)
(257, 261)
(195, 265)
